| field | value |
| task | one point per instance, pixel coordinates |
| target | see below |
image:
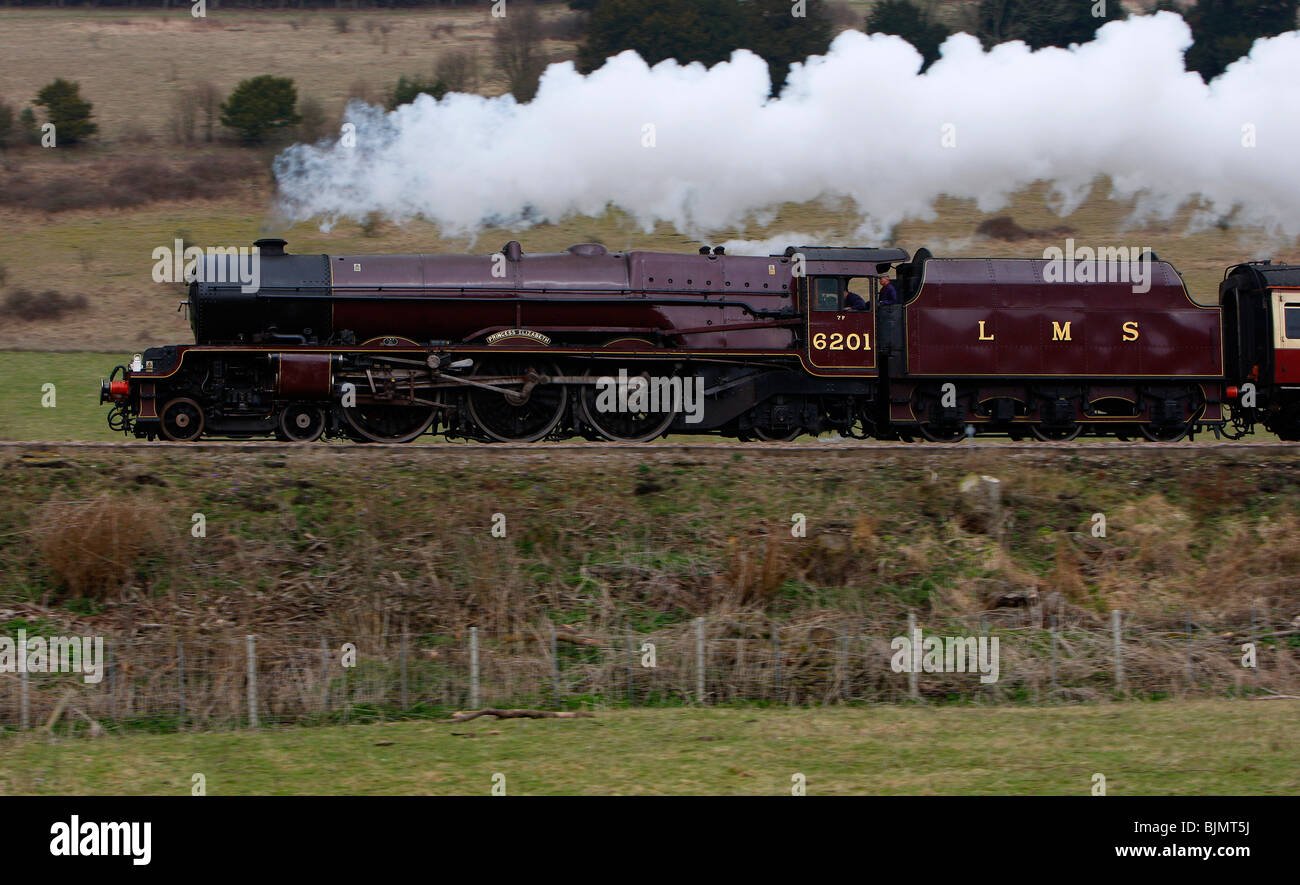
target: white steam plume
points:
(859, 122)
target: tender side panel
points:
(1000, 317)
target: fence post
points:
(776, 657)
(555, 662)
(109, 660)
(252, 680)
(405, 700)
(912, 691)
(325, 673)
(631, 667)
(1254, 641)
(24, 699)
(699, 660)
(1191, 673)
(473, 668)
(180, 677)
(843, 662)
(1116, 619)
(1053, 633)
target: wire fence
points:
(241, 681)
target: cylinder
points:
(304, 376)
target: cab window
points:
(1293, 321)
(826, 293)
(861, 287)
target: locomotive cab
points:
(839, 339)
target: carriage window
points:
(1293, 321)
(826, 295)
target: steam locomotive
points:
(631, 346)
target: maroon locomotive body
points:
(630, 346)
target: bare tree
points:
(457, 71)
(207, 99)
(517, 48)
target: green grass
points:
(76, 413)
(1201, 747)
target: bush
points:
(28, 130)
(315, 123)
(1041, 22)
(134, 184)
(25, 305)
(183, 119)
(457, 71)
(259, 106)
(407, 88)
(8, 125)
(68, 111)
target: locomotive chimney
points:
(270, 247)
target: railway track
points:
(788, 448)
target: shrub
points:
(259, 106)
(315, 123)
(25, 305)
(132, 184)
(407, 89)
(457, 71)
(8, 124)
(183, 120)
(28, 130)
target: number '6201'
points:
(840, 341)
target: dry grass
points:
(91, 547)
(342, 544)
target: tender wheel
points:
(181, 420)
(528, 413)
(942, 434)
(300, 422)
(633, 427)
(771, 436)
(1057, 434)
(382, 423)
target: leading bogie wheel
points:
(181, 420)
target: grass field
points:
(1202, 747)
(76, 413)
